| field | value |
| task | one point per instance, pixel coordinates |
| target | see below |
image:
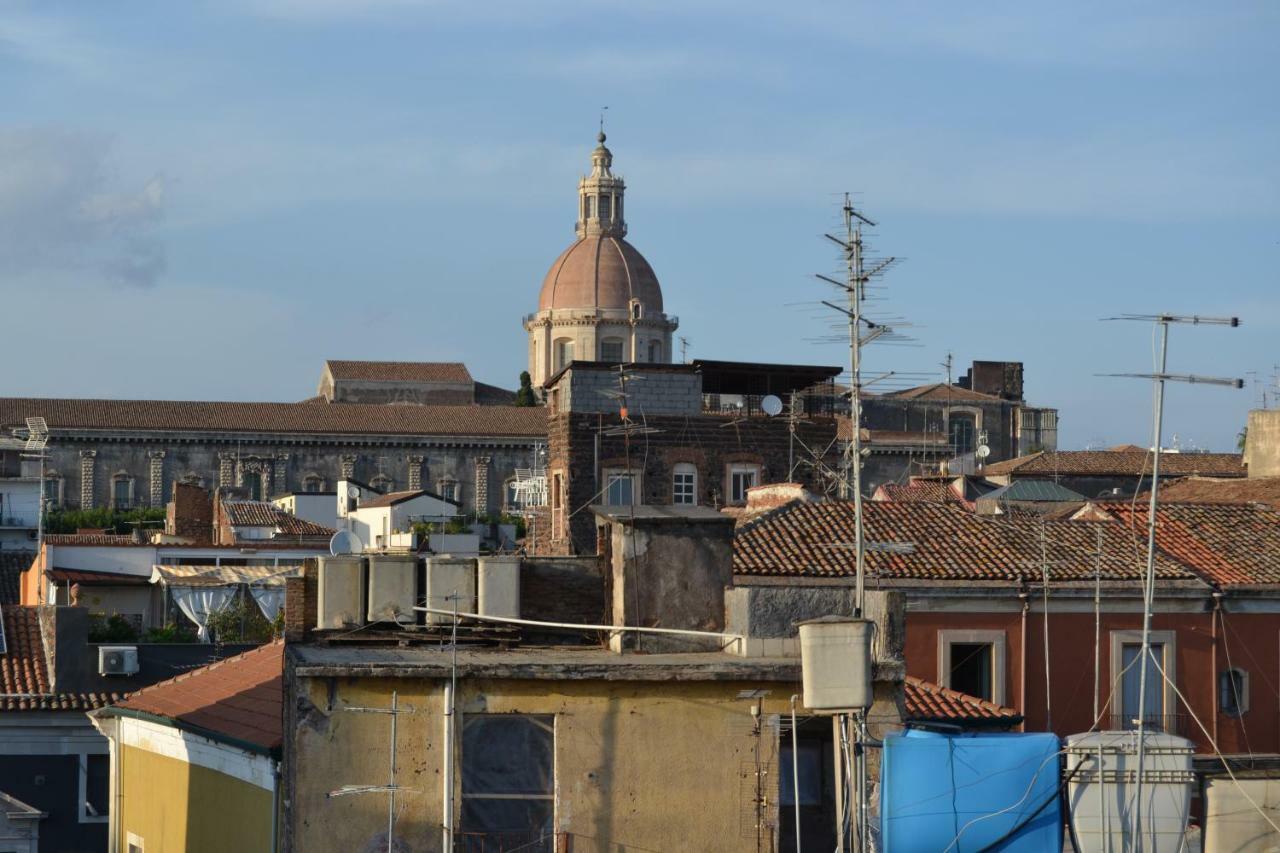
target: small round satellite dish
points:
(982, 452)
(771, 405)
(353, 491)
(345, 542)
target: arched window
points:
(655, 351)
(611, 349)
(313, 483)
(449, 490)
(961, 430)
(563, 353)
(121, 491)
(637, 310)
(383, 483)
(253, 485)
(1233, 692)
(684, 484)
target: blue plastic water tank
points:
(980, 787)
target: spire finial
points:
(600, 137)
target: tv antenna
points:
(1158, 379)
(391, 787)
(684, 350)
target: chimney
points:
(190, 513)
(773, 495)
(1262, 443)
(65, 633)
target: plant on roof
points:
(111, 629)
(240, 621)
(171, 633)
(61, 520)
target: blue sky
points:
(205, 200)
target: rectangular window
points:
(741, 478)
(611, 350)
(684, 486)
(51, 493)
(253, 485)
(95, 788)
(605, 207)
(1160, 701)
(508, 781)
(973, 662)
(120, 494)
(620, 488)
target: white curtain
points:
(270, 600)
(198, 602)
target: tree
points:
(524, 397)
(1242, 438)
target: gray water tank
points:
(498, 585)
(835, 663)
(448, 576)
(393, 588)
(340, 593)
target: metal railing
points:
(1170, 724)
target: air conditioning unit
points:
(117, 660)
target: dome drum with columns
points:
(601, 300)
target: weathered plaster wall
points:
(1262, 444)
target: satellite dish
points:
(353, 491)
(982, 452)
(771, 405)
(345, 542)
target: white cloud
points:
(61, 209)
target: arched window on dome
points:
(563, 353)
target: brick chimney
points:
(189, 514)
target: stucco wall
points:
(639, 767)
(1262, 445)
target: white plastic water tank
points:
(340, 596)
(498, 585)
(835, 662)
(393, 587)
(1232, 824)
(448, 577)
(1103, 770)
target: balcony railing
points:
(751, 405)
(1170, 724)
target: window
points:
(621, 488)
(1233, 692)
(136, 844)
(605, 208)
(655, 351)
(52, 492)
(611, 350)
(1160, 702)
(741, 478)
(557, 506)
(563, 353)
(253, 485)
(383, 483)
(313, 483)
(973, 663)
(961, 430)
(591, 206)
(95, 788)
(508, 781)
(511, 497)
(684, 484)
(121, 492)
(636, 310)
(448, 489)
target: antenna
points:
(602, 112)
(1158, 379)
(391, 787)
(684, 349)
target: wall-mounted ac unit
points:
(117, 660)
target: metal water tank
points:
(1102, 767)
(451, 585)
(835, 662)
(498, 585)
(393, 588)
(1232, 824)
(340, 593)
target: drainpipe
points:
(447, 798)
(115, 821)
(1025, 598)
(1214, 615)
(275, 808)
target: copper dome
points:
(600, 272)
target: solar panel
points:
(3, 648)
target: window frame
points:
(611, 342)
(117, 479)
(82, 810)
(684, 469)
(999, 656)
(547, 721)
(609, 475)
(447, 484)
(1242, 694)
(735, 468)
(1168, 640)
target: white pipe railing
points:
(574, 626)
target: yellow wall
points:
(639, 766)
(176, 807)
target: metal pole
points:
(1148, 592)
(795, 769)
(391, 805)
(853, 453)
(44, 560)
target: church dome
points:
(601, 271)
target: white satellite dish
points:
(353, 491)
(345, 542)
(771, 405)
(982, 452)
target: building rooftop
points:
(1117, 463)
(1219, 490)
(917, 491)
(344, 419)
(927, 702)
(399, 371)
(652, 513)
(238, 700)
(393, 498)
(266, 514)
(25, 684)
(1034, 491)
(942, 392)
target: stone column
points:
(226, 469)
(86, 478)
(157, 477)
(279, 474)
(415, 472)
(348, 465)
(482, 483)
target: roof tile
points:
(926, 701)
(399, 371)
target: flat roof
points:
(660, 513)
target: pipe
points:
(615, 629)
(795, 769)
(1022, 652)
(447, 793)
(1214, 616)
(275, 808)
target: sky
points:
(205, 200)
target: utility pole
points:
(1158, 379)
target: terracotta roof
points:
(1231, 544)
(88, 539)
(941, 392)
(24, 670)
(1122, 463)
(929, 702)
(393, 498)
(348, 418)
(1216, 490)
(264, 514)
(399, 371)
(240, 699)
(815, 539)
(600, 272)
(94, 578)
(919, 491)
